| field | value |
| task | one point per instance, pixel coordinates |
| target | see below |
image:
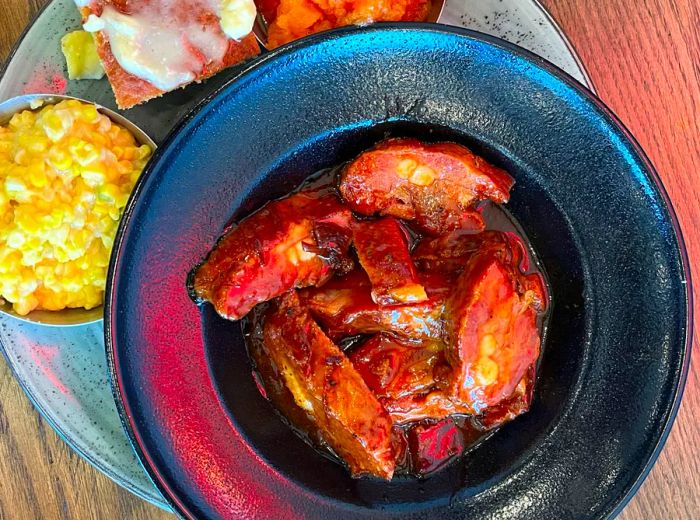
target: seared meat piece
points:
(493, 335)
(393, 368)
(407, 377)
(432, 444)
(436, 185)
(325, 384)
(437, 403)
(508, 409)
(344, 307)
(382, 248)
(450, 254)
(291, 242)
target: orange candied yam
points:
(294, 19)
(299, 16)
(324, 383)
(275, 249)
(289, 20)
(382, 248)
(434, 184)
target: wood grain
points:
(644, 58)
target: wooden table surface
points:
(644, 59)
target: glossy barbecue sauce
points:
(422, 447)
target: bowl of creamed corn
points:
(67, 168)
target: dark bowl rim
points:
(620, 502)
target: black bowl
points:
(616, 355)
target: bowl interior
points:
(559, 369)
(585, 196)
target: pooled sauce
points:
(422, 447)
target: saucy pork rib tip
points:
(409, 378)
(436, 185)
(324, 383)
(344, 306)
(382, 247)
(296, 241)
(492, 335)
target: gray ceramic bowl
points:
(67, 317)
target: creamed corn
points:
(66, 172)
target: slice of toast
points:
(129, 89)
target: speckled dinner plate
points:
(63, 371)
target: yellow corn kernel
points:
(114, 213)
(20, 120)
(108, 193)
(99, 139)
(15, 188)
(124, 138)
(128, 154)
(25, 305)
(82, 152)
(21, 157)
(10, 261)
(124, 167)
(94, 175)
(121, 200)
(16, 239)
(104, 124)
(79, 240)
(59, 158)
(134, 176)
(33, 143)
(89, 113)
(144, 152)
(112, 133)
(31, 257)
(53, 126)
(36, 173)
(26, 223)
(5, 148)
